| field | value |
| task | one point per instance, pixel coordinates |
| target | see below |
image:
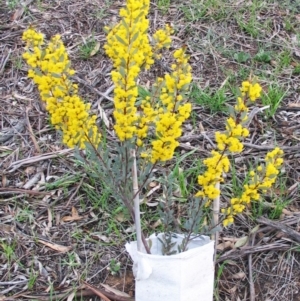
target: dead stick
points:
(234, 254)
(281, 227)
(36, 145)
(251, 283)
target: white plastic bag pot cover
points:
(187, 276)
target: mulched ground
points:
(55, 244)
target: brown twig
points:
(250, 250)
(12, 190)
(281, 227)
(251, 283)
(36, 145)
(111, 296)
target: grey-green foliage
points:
(113, 167)
(191, 225)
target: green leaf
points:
(56, 75)
(143, 92)
(241, 242)
(137, 19)
(122, 71)
(125, 24)
(231, 111)
(61, 58)
(135, 36)
(121, 40)
(38, 72)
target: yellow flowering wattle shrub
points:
(150, 124)
(51, 72)
(230, 142)
(260, 180)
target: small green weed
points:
(263, 56)
(215, 101)
(98, 200)
(72, 260)
(296, 70)
(250, 26)
(103, 11)
(87, 48)
(163, 5)
(114, 267)
(25, 215)
(193, 11)
(64, 181)
(288, 25)
(218, 276)
(257, 209)
(18, 62)
(8, 250)
(241, 57)
(12, 4)
(33, 275)
(276, 212)
(285, 59)
(272, 98)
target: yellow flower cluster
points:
(227, 142)
(32, 37)
(162, 39)
(50, 71)
(129, 48)
(260, 180)
(252, 91)
(231, 139)
(172, 111)
(216, 165)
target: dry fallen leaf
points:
(75, 216)
(30, 170)
(294, 105)
(239, 275)
(241, 242)
(255, 229)
(115, 291)
(56, 247)
(95, 49)
(156, 224)
(96, 291)
(99, 236)
(71, 296)
(225, 245)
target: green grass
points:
(8, 250)
(114, 267)
(33, 275)
(86, 49)
(25, 214)
(217, 279)
(64, 181)
(12, 4)
(102, 12)
(215, 101)
(272, 98)
(296, 70)
(285, 59)
(18, 62)
(163, 5)
(263, 56)
(71, 260)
